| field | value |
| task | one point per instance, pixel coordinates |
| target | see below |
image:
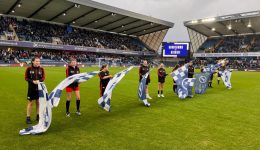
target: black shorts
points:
(161, 80)
(190, 76)
(102, 89)
(32, 94)
(147, 81)
(211, 77)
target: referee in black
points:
(33, 75)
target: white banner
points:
(226, 77)
(45, 113)
(104, 101)
(47, 102)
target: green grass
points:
(219, 119)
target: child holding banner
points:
(174, 83)
(72, 69)
(144, 68)
(104, 78)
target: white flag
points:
(56, 93)
(226, 77)
(47, 102)
(104, 101)
(45, 113)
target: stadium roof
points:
(234, 24)
(85, 13)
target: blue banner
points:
(201, 82)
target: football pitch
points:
(219, 119)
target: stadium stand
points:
(234, 33)
(88, 30)
(34, 31)
(234, 37)
(233, 63)
(232, 44)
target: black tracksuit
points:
(103, 82)
(34, 73)
(190, 71)
(71, 71)
(142, 71)
(161, 75)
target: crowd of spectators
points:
(36, 31)
(232, 44)
(8, 55)
(233, 63)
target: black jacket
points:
(34, 73)
(71, 71)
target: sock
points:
(218, 81)
(174, 88)
(67, 106)
(28, 118)
(158, 92)
(161, 91)
(37, 117)
(78, 104)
